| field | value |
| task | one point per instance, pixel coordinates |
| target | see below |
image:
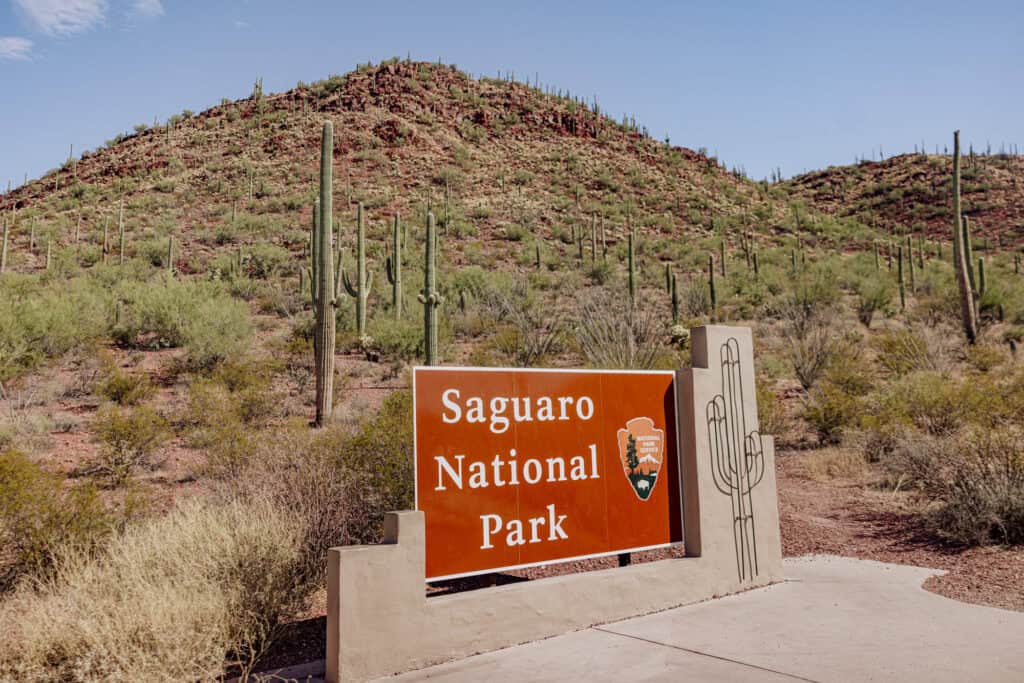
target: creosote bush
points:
(129, 437)
(39, 518)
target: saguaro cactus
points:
(170, 255)
(632, 267)
(737, 457)
(3, 247)
(364, 280)
(981, 276)
(430, 297)
(711, 283)
(324, 294)
(668, 278)
(910, 263)
(968, 314)
(393, 268)
(120, 231)
(899, 277)
(675, 300)
(593, 239)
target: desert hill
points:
(912, 192)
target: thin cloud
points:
(63, 17)
(148, 8)
(15, 48)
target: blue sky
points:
(794, 85)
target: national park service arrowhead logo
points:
(642, 451)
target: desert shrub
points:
(176, 598)
(770, 413)
(930, 401)
(532, 333)
(904, 351)
(975, 477)
(810, 347)
(38, 518)
(349, 476)
(694, 298)
(40, 320)
(128, 438)
(124, 388)
(985, 357)
(197, 315)
(873, 295)
(612, 332)
(265, 260)
(831, 411)
(400, 339)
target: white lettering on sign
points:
(534, 470)
(496, 411)
(494, 524)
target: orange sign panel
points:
(519, 467)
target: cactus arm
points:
(352, 291)
(389, 270)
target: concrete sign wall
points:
(516, 467)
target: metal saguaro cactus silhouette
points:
(737, 456)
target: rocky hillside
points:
(518, 163)
(913, 191)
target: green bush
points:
(128, 438)
(197, 315)
(39, 518)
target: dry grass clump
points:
(174, 599)
(974, 478)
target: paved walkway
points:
(834, 619)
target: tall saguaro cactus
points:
(711, 284)
(968, 314)
(393, 268)
(903, 288)
(632, 267)
(430, 297)
(323, 285)
(120, 231)
(364, 280)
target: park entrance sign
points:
(520, 467)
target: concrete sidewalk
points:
(834, 619)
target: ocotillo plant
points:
(324, 296)
(632, 267)
(364, 280)
(899, 278)
(393, 268)
(430, 297)
(967, 312)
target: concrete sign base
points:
(379, 620)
